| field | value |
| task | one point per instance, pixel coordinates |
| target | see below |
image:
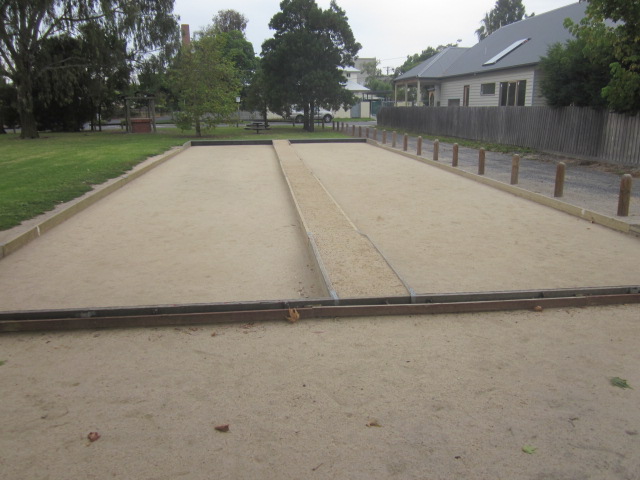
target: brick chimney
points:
(186, 36)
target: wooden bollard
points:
(353, 130)
(359, 131)
(559, 189)
(394, 137)
(375, 134)
(405, 142)
(436, 149)
(454, 158)
(419, 147)
(366, 132)
(384, 137)
(625, 196)
(481, 161)
(515, 169)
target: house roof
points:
(434, 67)
(353, 86)
(504, 48)
(542, 31)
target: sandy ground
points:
(444, 233)
(213, 224)
(455, 396)
(354, 267)
(422, 397)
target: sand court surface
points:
(219, 224)
(523, 395)
(444, 233)
(213, 224)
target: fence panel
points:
(582, 132)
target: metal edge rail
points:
(247, 312)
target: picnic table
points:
(257, 126)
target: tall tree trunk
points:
(308, 117)
(29, 128)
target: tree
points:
(622, 40)
(303, 63)
(205, 83)
(572, 78)
(375, 80)
(257, 94)
(25, 25)
(503, 13)
(8, 112)
(228, 21)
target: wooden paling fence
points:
(582, 132)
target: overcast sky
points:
(390, 32)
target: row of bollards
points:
(624, 198)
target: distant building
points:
(501, 70)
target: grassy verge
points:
(36, 175)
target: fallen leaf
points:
(93, 436)
(294, 316)
(214, 334)
(2, 362)
(529, 449)
(620, 383)
(223, 428)
(537, 308)
(373, 423)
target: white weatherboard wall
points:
(538, 99)
(453, 88)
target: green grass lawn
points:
(36, 175)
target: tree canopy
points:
(205, 82)
(571, 78)
(26, 26)
(303, 63)
(229, 21)
(618, 44)
(503, 13)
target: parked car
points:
(321, 114)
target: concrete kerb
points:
(83, 202)
(579, 212)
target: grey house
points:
(501, 70)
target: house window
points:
(488, 89)
(465, 96)
(513, 93)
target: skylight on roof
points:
(505, 52)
